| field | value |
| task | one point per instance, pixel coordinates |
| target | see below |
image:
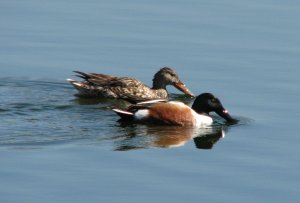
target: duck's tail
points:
(82, 87)
(125, 115)
(95, 78)
(76, 84)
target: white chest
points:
(202, 120)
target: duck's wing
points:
(128, 113)
(145, 104)
(109, 80)
(140, 95)
(152, 101)
(95, 78)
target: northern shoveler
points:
(177, 113)
(107, 86)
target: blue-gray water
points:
(56, 147)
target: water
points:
(56, 147)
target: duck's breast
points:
(202, 120)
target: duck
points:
(107, 86)
(176, 113)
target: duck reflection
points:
(104, 101)
(141, 137)
(207, 140)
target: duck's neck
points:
(158, 84)
(202, 113)
(202, 110)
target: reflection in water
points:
(105, 103)
(207, 141)
(143, 136)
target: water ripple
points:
(41, 113)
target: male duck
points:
(108, 86)
(177, 113)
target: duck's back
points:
(107, 86)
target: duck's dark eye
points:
(213, 100)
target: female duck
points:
(177, 113)
(108, 86)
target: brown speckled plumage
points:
(101, 85)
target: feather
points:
(125, 115)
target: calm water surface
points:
(56, 147)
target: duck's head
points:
(207, 102)
(167, 76)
